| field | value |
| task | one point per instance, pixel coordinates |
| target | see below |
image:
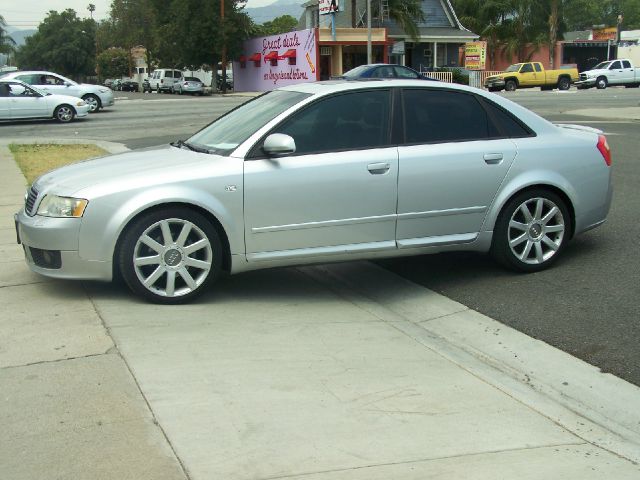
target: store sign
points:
(275, 61)
(604, 34)
(328, 6)
(398, 48)
(475, 55)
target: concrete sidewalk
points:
(330, 372)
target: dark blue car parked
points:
(383, 70)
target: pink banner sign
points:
(272, 62)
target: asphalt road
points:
(587, 305)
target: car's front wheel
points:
(531, 231)
(64, 113)
(170, 256)
(510, 86)
(601, 83)
(93, 102)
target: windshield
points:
(602, 66)
(356, 72)
(514, 68)
(227, 132)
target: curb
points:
(111, 147)
(600, 408)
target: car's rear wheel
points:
(170, 256)
(531, 231)
(64, 113)
(601, 83)
(93, 102)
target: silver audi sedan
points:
(321, 172)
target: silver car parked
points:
(323, 172)
(190, 85)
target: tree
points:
(281, 24)
(113, 62)
(406, 13)
(63, 43)
(7, 44)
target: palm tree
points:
(408, 14)
(7, 44)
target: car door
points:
(628, 72)
(616, 73)
(528, 76)
(337, 193)
(26, 103)
(451, 161)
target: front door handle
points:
(378, 168)
(493, 158)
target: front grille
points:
(30, 201)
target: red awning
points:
(256, 57)
(271, 56)
(291, 53)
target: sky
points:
(26, 15)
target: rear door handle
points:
(378, 168)
(493, 158)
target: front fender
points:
(105, 221)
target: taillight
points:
(603, 146)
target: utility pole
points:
(368, 32)
(224, 50)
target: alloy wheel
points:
(172, 257)
(536, 230)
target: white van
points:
(162, 79)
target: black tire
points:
(510, 85)
(172, 255)
(564, 83)
(539, 243)
(601, 83)
(94, 102)
(64, 113)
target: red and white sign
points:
(328, 6)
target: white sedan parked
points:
(19, 101)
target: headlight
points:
(81, 103)
(103, 90)
(62, 207)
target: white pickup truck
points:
(611, 72)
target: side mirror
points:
(279, 144)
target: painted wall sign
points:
(284, 59)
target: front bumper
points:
(589, 82)
(494, 83)
(51, 248)
(82, 111)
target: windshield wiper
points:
(190, 146)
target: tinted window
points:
(626, 64)
(342, 122)
(615, 65)
(526, 68)
(402, 72)
(538, 67)
(502, 123)
(383, 72)
(443, 116)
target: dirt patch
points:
(35, 160)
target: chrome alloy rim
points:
(172, 257)
(536, 230)
(65, 114)
(92, 102)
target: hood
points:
(126, 170)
